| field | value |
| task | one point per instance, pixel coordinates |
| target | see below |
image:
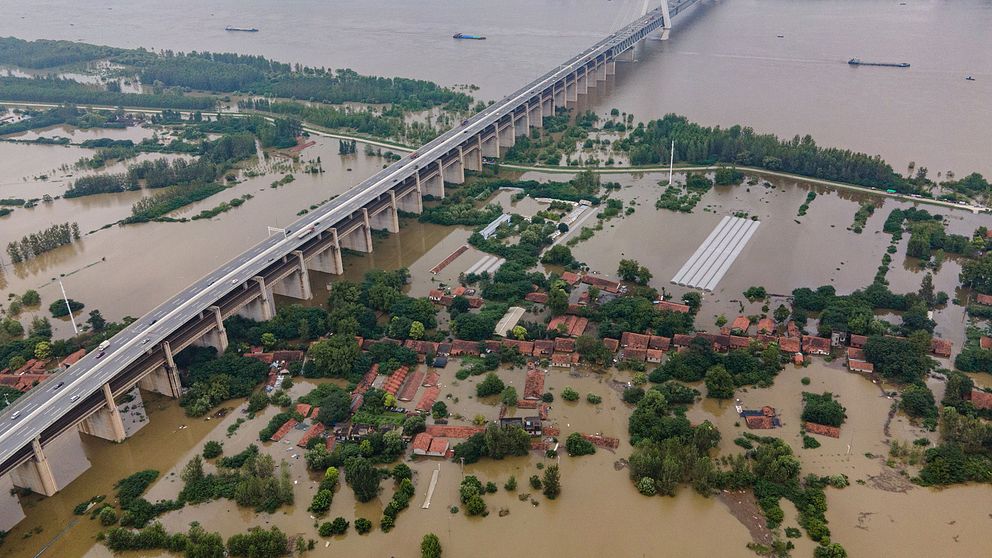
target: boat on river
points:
(859, 62)
(467, 36)
(245, 29)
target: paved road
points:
(41, 407)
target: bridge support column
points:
(107, 422)
(260, 308)
(601, 71)
(558, 98)
(506, 139)
(454, 172)
(611, 68)
(547, 107)
(411, 202)
(329, 259)
(433, 185)
(571, 91)
(627, 55)
(473, 158)
(521, 124)
(582, 82)
(490, 146)
(217, 336)
(11, 512)
(165, 379)
(36, 474)
(387, 218)
(534, 115)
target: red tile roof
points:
(816, 345)
(284, 429)
(789, 344)
(438, 447)
(860, 366)
(673, 307)
(655, 355)
(446, 431)
(561, 359)
(543, 347)
(570, 278)
(854, 353)
(412, 385)
(431, 379)
(564, 344)
(740, 323)
(611, 344)
(858, 341)
(601, 282)
(392, 385)
(525, 347)
(984, 299)
(540, 298)
(303, 409)
(570, 325)
(461, 347)
(315, 430)
(421, 442)
(791, 329)
(428, 399)
(630, 340)
(981, 399)
(635, 354)
(739, 342)
(534, 384)
(940, 347)
(759, 422)
(73, 358)
(660, 343)
(985, 342)
(682, 340)
(435, 295)
(823, 429)
(766, 325)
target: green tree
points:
(557, 301)
(593, 350)
(552, 482)
(212, 449)
(58, 308)
(417, 330)
(362, 477)
(108, 516)
(519, 332)
(268, 340)
(439, 410)
(918, 401)
(491, 385)
(558, 254)
(977, 273)
(719, 383)
(334, 357)
(430, 546)
(43, 350)
(822, 409)
(31, 298)
(96, 321)
(577, 445)
(633, 271)
(569, 394)
(363, 525)
(509, 396)
(334, 407)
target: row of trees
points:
(58, 90)
(49, 239)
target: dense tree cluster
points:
(44, 53)
(755, 365)
(214, 380)
(49, 239)
(250, 478)
(496, 442)
(57, 90)
(650, 145)
(822, 409)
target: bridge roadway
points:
(49, 410)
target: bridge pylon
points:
(646, 7)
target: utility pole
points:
(671, 164)
(69, 308)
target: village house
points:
(630, 340)
(789, 345)
(534, 384)
(813, 345)
(639, 355)
(612, 344)
(984, 299)
(458, 291)
(532, 425)
(538, 297)
(570, 325)
(981, 399)
(435, 295)
(822, 429)
(461, 347)
(791, 329)
(854, 353)
(720, 342)
(860, 366)
(985, 342)
(766, 339)
(571, 278)
(739, 342)
(561, 360)
(740, 325)
(672, 306)
(430, 446)
(766, 325)
(524, 347)
(604, 284)
(659, 343)
(940, 347)
(682, 340)
(564, 345)
(654, 355)
(858, 341)
(72, 359)
(427, 399)
(543, 347)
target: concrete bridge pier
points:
(571, 91)
(360, 238)
(387, 218)
(53, 467)
(164, 380)
(490, 146)
(472, 157)
(521, 124)
(582, 82)
(329, 259)
(107, 423)
(412, 201)
(454, 171)
(11, 512)
(626, 56)
(535, 114)
(611, 69)
(547, 107)
(294, 285)
(260, 308)
(433, 185)
(558, 97)
(216, 337)
(507, 137)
